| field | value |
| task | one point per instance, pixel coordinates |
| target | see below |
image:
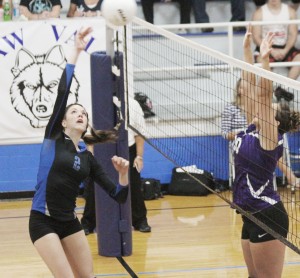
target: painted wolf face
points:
(38, 6)
(34, 88)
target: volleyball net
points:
(190, 86)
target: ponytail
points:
(100, 136)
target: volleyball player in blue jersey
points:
(54, 228)
(256, 153)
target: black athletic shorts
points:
(41, 225)
(275, 217)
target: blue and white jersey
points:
(62, 168)
(253, 188)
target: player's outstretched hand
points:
(266, 45)
(248, 37)
(81, 38)
(121, 164)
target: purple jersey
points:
(253, 188)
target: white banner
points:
(32, 57)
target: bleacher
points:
(167, 15)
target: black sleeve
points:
(56, 3)
(102, 179)
(54, 125)
(24, 3)
(76, 2)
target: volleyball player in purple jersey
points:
(256, 153)
(234, 120)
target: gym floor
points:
(191, 237)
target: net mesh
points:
(190, 86)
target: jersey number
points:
(76, 165)
(237, 144)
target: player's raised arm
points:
(248, 78)
(54, 124)
(264, 93)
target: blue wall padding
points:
(294, 142)
(19, 167)
(206, 152)
(113, 220)
(19, 163)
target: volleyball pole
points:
(113, 220)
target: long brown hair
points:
(95, 136)
(288, 120)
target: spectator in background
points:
(237, 11)
(294, 3)
(36, 9)
(185, 10)
(285, 36)
(136, 164)
(80, 8)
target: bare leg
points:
(295, 71)
(79, 255)
(248, 258)
(53, 254)
(268, 258)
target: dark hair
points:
(282, 93)
(100, 136)
(288, 120)
(96, 136)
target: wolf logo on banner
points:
(34, 87)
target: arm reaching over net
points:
(248, 78)
(258, 93)
(248, 56)
(263, 102)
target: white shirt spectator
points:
(136, 119)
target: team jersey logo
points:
(76, 165)
(38, 6)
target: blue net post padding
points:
(113, 220)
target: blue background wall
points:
(18, 167)
(19, 163)
(206, 152)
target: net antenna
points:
(190, 85)
(113, 46)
